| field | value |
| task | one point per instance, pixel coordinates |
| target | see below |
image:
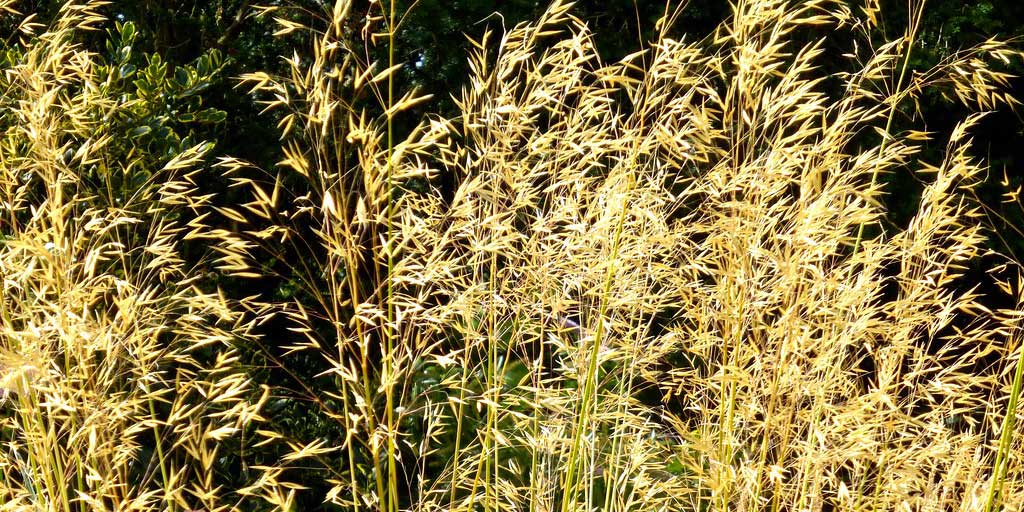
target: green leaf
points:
(211, 115)
(515, 374)
(128, 33)
(126, 71)
(139, 131)
(202, 86)
(181, 75)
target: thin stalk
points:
(492, 386)
(342, 383)
(36, 466)
(160, 454)
(590, 385)
(458, 435)
(535, 426)
(351, 281)
(911, 36)
(623, 388)
(766, 429)
(1006, 437)
(389, 330)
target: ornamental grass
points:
(666, 283)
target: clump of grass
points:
(647, 285)
(691, 220)
(120, 388)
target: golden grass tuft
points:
(701, 203)
(117, 370)
(700, 222)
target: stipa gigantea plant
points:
(828, 366)
(121, 390)
(524, 299)
(341, 217)
(702, 204)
